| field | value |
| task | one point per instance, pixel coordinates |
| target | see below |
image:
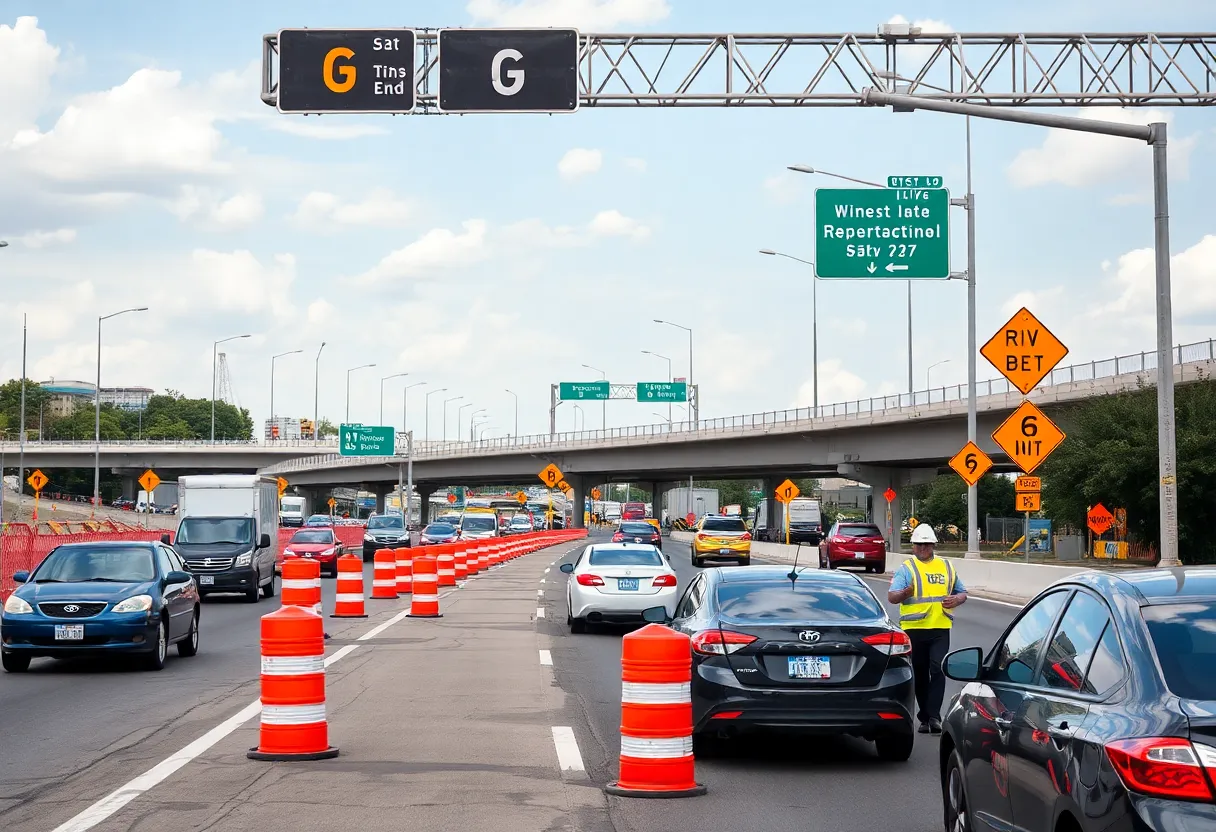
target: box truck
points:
(227, 532)
(291, 511)
(699, 501)
(806, 522)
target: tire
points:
(160, 649)
(188, 646)
(955, 815)
(578, 626)
(270, 589)
(895, 748)
(252, 595)
(15, 662)
(697, 564)
(745, 561)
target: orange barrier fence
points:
(22, 548)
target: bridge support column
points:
(890, 517)
(424, 502)
(775, 530)
(130, 486)
(381, 492)
(579, 484)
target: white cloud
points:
(926, 25)
(613, 223)
(379, 209)
(208, 207)
(235, 281)
(836, 384)
(785, 187)
(314, 129)
(635, 163)
(436, 250)
(848, 327)
(1078, 160)
(27, 62)
(1049, 298)
(579, 162)
(1192, 282)
(42, 239)
(588, 15)
(320, 311)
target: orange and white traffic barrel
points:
(405, 571)
(445, 562)
(656, 716)
(384, 574)
(460, 562)
(425, 603)
(474, 558)
(294, 726)
(348, 601)
(302, 584)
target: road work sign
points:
(1024, 351)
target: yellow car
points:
(720, 538)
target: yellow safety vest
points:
(931, 582)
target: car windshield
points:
(215, 530)
(479, 523)
(858, 531)
(637, 529)
(385, 523)
(608, 556)
(125, 564)
(318, 520)
(1184, 636)
(319, 536)
(439, 530)
(520, 521)
(805, 600)
(723, 524)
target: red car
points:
(638, 531)
(319, 544)
(854, 544)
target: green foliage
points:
(326, 428)
(10, 406)
(944, 501)
(1110, 457)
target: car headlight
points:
(245, 559)
(17, 606)
(136, 603)
(289, 553)
(367, 538)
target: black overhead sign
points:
(346, 71)
(508, 70)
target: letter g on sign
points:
(515, 77)
(342, 78)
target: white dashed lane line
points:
(568, 756)
(546, 658)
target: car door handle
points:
(1061, 732)
(1002, 722)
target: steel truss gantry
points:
(1054, 69)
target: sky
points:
(138, 167)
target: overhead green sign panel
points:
(366, 440)
(584, 390)
(662, 391)
(882, 233)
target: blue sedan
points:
(95, 598)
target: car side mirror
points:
(264, 541)
(178, 577)
(164, 538)
(567, 568)
(655, 615)
(21, 577)
(964, 665)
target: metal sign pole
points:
(409, 476)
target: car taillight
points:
(720, 642)
(664, 580)
(893, 643)
(840, 540)
(589, 580)
(745, 536)
(618, 537)
(1163, 766)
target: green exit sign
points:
(662, 391)
(915, 182)
(882, 233)
(576, 390)
(366, 440)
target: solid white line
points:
(546, 658)
(540, 612)
(345, 651)
(568, 756)
(375, 631)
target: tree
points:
(326, 428)
(10, 405)
(945, 502)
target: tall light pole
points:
(473, 419)
(316, 397)
(382, 380)
(97, 412)
(689, 331)
(668, 360)
(930, 369)
(427, 427)
(405, 405)
(446, 402)
(214, 356)
(516, 396)
(459, 414)
(273, 359)
(604, 412)
(814, 322)
(348, 372)
(578, 411)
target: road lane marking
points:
(345, 651)
(546, 658)
(377, 630)
(568, 756)
(547, 568)
(540, 612)
(540, 593)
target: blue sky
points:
(137, 167)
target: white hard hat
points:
(923, 534)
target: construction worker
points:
(927, 589)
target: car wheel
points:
(15, 662)
(706, 745)
(578, 625)
(188, 646)
(696, 562)
(895, 748)
(954, 797)
(270, 589)
(160, 648)
(252, 595)
(745, 561)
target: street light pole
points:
(446, 402)
(604, 403)
(473, 419)
(214, 357)
(697, 413)
(348, 372)
(459, 413)
(578, 411)
(668, 360)
(316, 397)
(516, 412)
(405, 405)
(97, 414)
(929, 369)
(382, 380)
(273, 359)
(814, 322)
(427, 406)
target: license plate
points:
(637, 540)
(810, 667)
(206, 580)
(69, 632)
(860, 556)
(627, 584)
(724, 551)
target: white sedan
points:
(616, 582)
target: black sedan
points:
(638, 531)
(1096, 710)
(815, 654)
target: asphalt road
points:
(776, 783)
(66, 723)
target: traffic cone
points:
(384, 576)
(474, 558)
(446, 565)
(302, 584)
(656, 716)
(348, 601)
(293, 723)
(425, 603)
(405, 572)
(461, 562)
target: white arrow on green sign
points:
(662, 391)
(366, 440)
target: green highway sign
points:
(366, 440)
(662, 391)
(914, 182)
(594, 390)
(882, 233)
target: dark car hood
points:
(84, 591)
(202, 550)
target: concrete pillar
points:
(381, 491)
(776, 512)
(579, 484)
(130, 486)
(424, 502)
